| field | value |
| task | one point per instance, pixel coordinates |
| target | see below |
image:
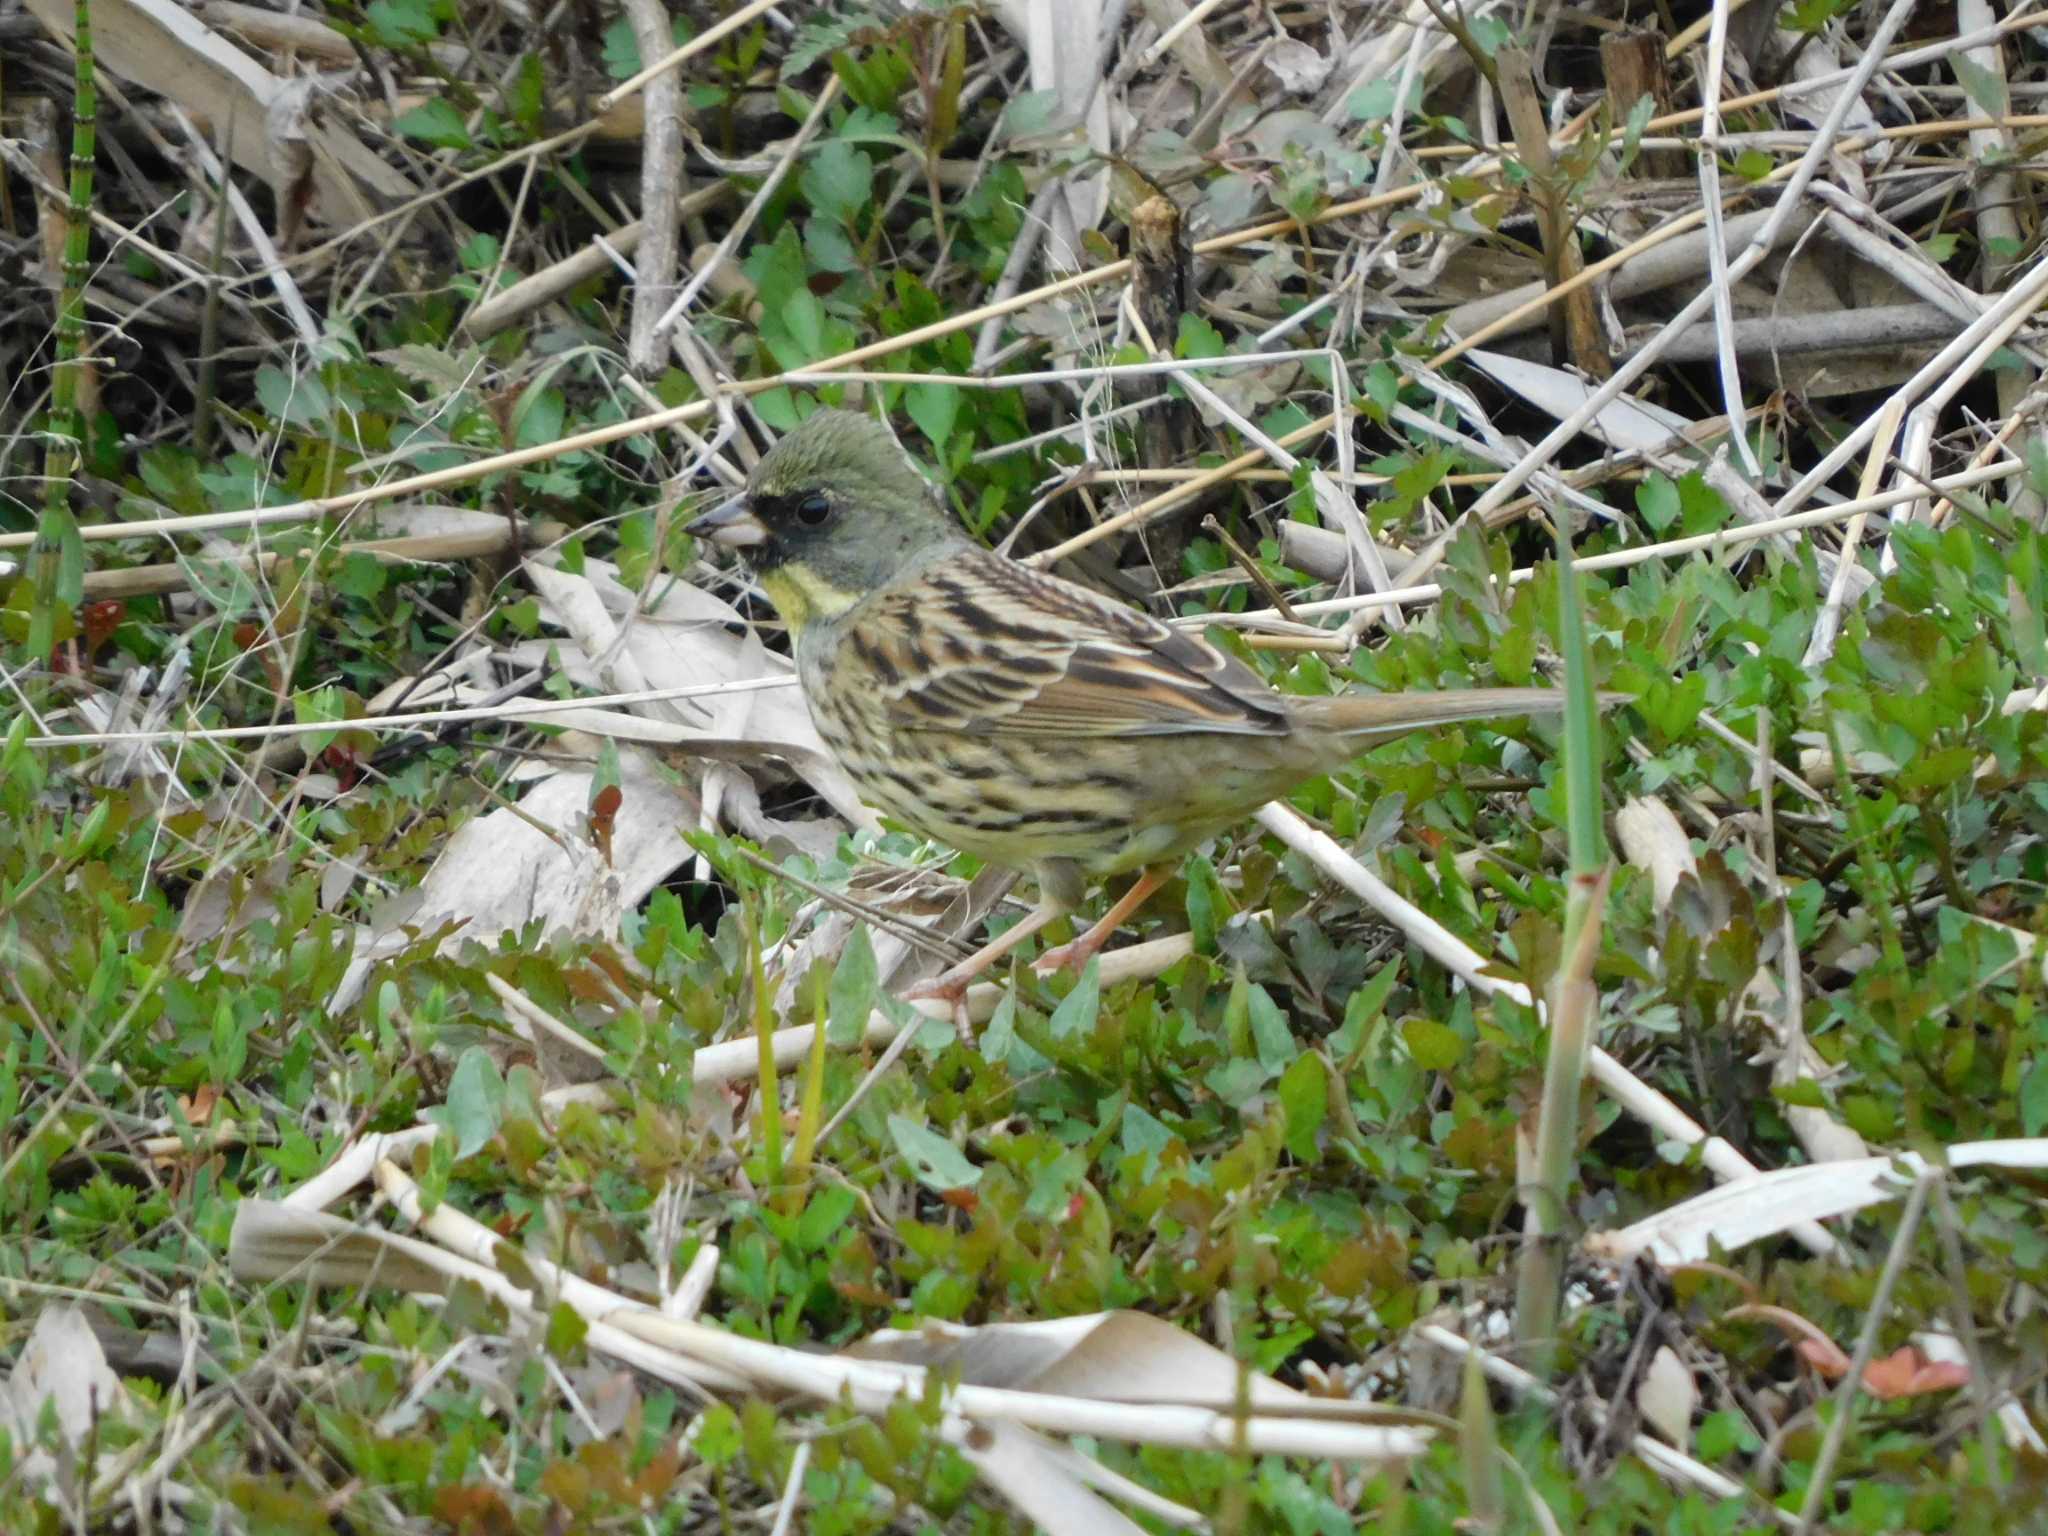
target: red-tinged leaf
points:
(1906, 1372)
(101, 620)
(586, 985)
(1825, 1356)
(478, 1510)
(604, 810)
(863, 1294)
(199, 1107)
(344, 763)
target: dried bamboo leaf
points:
(167, 49)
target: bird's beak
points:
(731, 523)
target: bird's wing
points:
(985, 646)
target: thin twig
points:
(1249, 566)
(1820, 1482)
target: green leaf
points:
(1639, 117)
(1723, 1434)
(313, 706)
(1237, 1033)
(620, 50)
(1372, 101)
(2036, 455)
(937, 1163)
(1800, 1093)
(435, 121)
(1657, 501)
(1029, 113)
(1208, 907)
(1237, 1081)
(360, 576)
(824, 1215)
(1703, 508)
(803, 317)
(172, 476)
(567, 1329)
(1362, 1010)
(1937, 769)
(1231, 200)
(1304, 1102)
(1383, 821)
(2034, 1099)
(479, 253)
(1382, 387)
(402, 23)
(1198, 338)
(777, 407)
(538, 418)
(864, 125)
(1077, 1010)
(606, 774)
(298, 400)
(1984, 87)
(850, 997)
(718, 1438)
(1435, 1046)
(1869, 1116)
(933, 407)
(1753, 165)
(228, 1051)
(839, 181)
(1275, 1041)
(827, 247)
(1053, 1182)
(814, 39)
(297, 1156)
(1144, 1134)
(1491, 33)
(527, 96)
(999, 1035)
(475, 1106)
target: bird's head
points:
(832, 512)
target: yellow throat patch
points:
(800, 595)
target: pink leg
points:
(1077, 954)
(951, 985)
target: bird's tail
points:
(1390, 714)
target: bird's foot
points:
(950, 985)
(1076, 954)
(951, 989)
(1071, 956)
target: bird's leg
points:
(1077, 954)
(951, 985)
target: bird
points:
(1015, 715)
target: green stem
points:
(1574, 1001)
(64, 409)
(56, 563)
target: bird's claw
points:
(1071, 956)
(952, 991)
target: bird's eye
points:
(814, 509)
